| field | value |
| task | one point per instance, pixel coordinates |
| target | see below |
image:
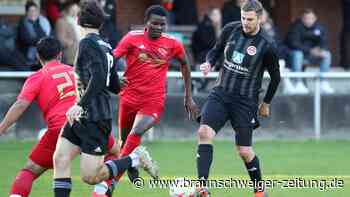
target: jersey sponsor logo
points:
(251, 50)
(237, 57)
(155, 62)
(236, 68)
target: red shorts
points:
(42, 153)
(128, 111)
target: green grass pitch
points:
(280, 160)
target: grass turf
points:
(280, 160)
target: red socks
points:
(132, 141)
(22, 185)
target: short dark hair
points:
(30, 4)
(68, 4)
(253, 5)
(91, 14)
(308, 11)
(48, 48)
(156, 10)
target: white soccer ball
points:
(182, 188)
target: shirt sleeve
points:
(271, 62)
(31, 87)
(114, 85)
(179, 52)
(215, 53)
(123, 46)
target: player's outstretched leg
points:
(204, 157)
(105, 188)
(22, 184)
(63, 156)
(138, 158)
(141, 124)
(251, 161)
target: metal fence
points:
(315, 76)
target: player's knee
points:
(90, 179)
(205, 133)
(138, 131)
(61, 160)
(245, 152)
(33, 167)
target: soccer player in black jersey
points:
(89, 119)
(248, 52)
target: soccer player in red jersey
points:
(147, 54)
(53, 88)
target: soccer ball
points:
(181, 190)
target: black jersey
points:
(95, 75)
(245, 59)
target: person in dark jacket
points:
(231, 11)
(345, 36)
(206, 34)
(32, 28)
(204, 38)
(185, 12)
(308, 41)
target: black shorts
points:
(241, 111)
(91, 137)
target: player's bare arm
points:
(13, 114)
(190, 106)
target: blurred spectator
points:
(268, 5)
(204, 38)
(345, 36)
(67, 31)
(185, 12)
(206, 34)
(231, 11)
(32, 28)
(169, 5)
(271, 30)
(308, 41)
(10, 57)
(53, 10)
(109, 30)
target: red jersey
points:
(147, 64)
(53, 88)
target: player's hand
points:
(74, 113)
(123, 82)
(264, 110)
(191, 108)
(205, 68)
